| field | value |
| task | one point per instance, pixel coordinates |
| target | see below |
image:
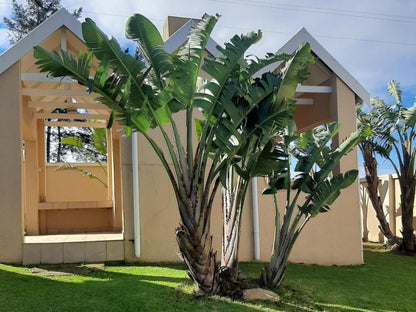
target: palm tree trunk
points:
(195, 242)
(199, 258)
(232, 203)
(272, 276)
(407, 188)
(370, 166)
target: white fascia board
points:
(313, 89)
(39, 34)
(303, 36)
(181, 36)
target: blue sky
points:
(373, 39)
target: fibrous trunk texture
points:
(199, 258)
(195, 241)
(272, 276)
(370, 167)
(407, 200)
(232, 204)
(407, 196)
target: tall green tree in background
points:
(399, 139)
(26, 17)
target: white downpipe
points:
(255, 219)
(136, 212)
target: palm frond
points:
(393, 87)
(410, 116)
(187, 61)
(109, 50)
(64, 65)
(150, 44)
(327, 192)
(295, 71)
(221, 67)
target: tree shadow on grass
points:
(384, 283)
(118, 288)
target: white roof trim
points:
(181, 36)
(303, 36)
(39, 34)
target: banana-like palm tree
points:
(370, 148)
(314, 160)
(145, 93)
(399, 139)
(258, 129)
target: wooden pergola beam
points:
(68, 105)
(57, 92)
(46, 78)
(71, 116)
(75, 124)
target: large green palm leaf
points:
(327, 192)
(188, 60)
(221, 68)
(64, 64)
(150, 44)
(108, 50)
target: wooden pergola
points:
(46, 94)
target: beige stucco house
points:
(49, 216)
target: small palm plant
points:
(313, 161)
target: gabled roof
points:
(303, 36)
(64, 18)
(181, 36)
(39, 34)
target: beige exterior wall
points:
(70, 185)
(74, 203)
(172, 24)
(331, 238)
(389, 191)
(11, 229)
(51, 202)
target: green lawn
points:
(386, 282)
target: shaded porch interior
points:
(65, 202)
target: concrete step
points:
(77, 248)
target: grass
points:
(386, 282)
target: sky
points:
(375, 40)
